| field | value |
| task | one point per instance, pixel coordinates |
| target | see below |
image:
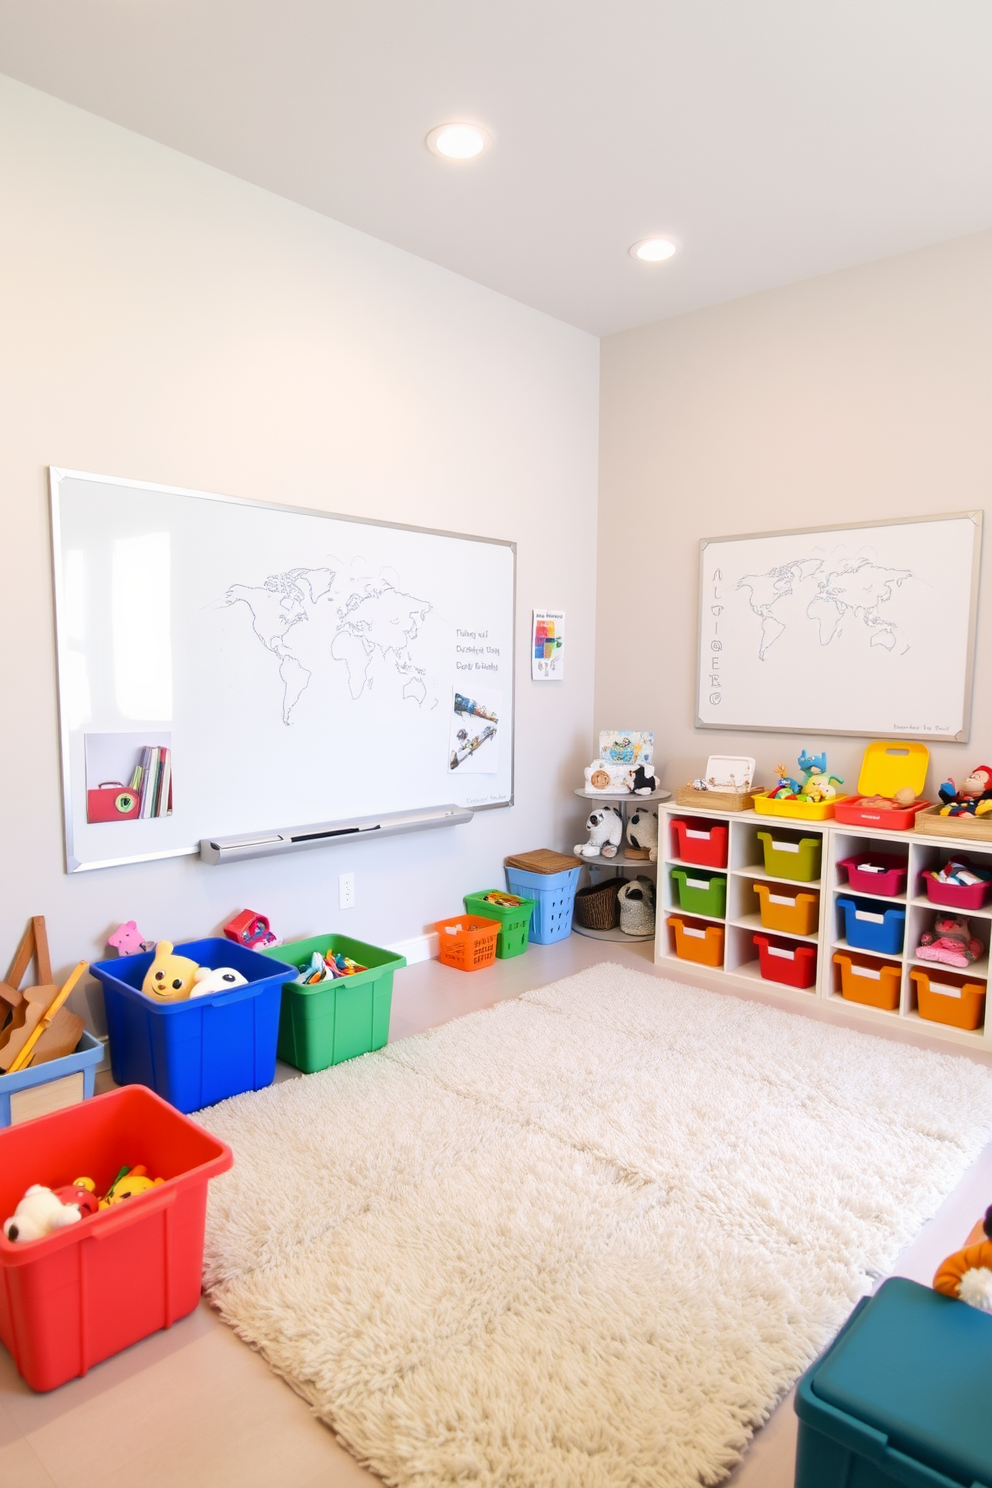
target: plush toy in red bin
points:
(251, 930)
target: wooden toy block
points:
(59, 1038)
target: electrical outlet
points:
(346, 891)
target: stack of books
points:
(155, 781)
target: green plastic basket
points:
(514, 922)
(340, 1019)
(700, 892)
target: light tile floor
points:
(195, 1407)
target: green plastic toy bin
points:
(700, 892)
(514, 921)
(339, 1019)
(792, 857)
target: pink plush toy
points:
(126, 940)
(950, 941)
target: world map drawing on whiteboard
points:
(316, 621)
(854, 590)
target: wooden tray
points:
(975, 828)
(542, 860)
(687, 795)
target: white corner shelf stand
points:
(621, 862)
(745, 867)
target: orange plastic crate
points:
(471, 946)
(945, 998)
(865, 980)
(791, 910)
(697, 941)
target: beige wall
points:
(856, 396)
(168, 323)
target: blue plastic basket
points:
(555, 900)
(873, 926)
(82, 1061)
(200, 1051)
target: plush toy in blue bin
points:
(204, 1048)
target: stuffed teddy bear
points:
(169, 978)
(950, 941)
(40, 1213)
(642, 832)
(605, 828)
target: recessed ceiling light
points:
(458, 141)
(653, 250)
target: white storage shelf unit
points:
(745, 868)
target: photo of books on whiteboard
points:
(128, 776)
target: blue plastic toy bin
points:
(200, 1051)
(74, 1074)
(873, 926)
(900, 1396)
(555, 900)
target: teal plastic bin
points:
(339, 1019)
(900, 1397)
(787, 856)
(554, 901)
(699, 892)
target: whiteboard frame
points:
(964, 733)
(58, 473)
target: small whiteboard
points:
(867, 629)
(229, 666)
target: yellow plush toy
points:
(169, 978)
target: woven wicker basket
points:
(597, 907)
(637, 915)
(708, 800)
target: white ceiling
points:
(774, 139)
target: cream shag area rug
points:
(585, 1238)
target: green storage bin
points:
(791, 857)
(900, 1397)
(335, 1020)
(700, 893)
(514, 923)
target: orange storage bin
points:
(943, 997)
(873, 982)
(794, 911)
(697, 941)
(467, 942)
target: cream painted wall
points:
(857, 396)
(166, 322)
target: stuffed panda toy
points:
(644, 780)
(605, 828)
(642, 832)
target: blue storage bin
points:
(197, 1052)
(900, 1396)
(555, 896)
(873, 926)
(82, 1061)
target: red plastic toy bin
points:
(876, 873)
(785, 961)
(700, 842)
(89, 1290)
(957, 896)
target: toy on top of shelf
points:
(628, 747)
(728, 784)
(208, 979)
(610, 780)
(605, 828)
(972, 798)
(642, 834)
(967, 1274)
(950, 941)
(251, 930)
(890, 784)
(40, 1213)
(816, 784)
(127, 940)
(169, 978)
(643, 780)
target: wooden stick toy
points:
(24, 1056)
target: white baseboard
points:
(417, 948)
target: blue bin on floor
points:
(901, 1396)
(555, 900)
(200, 1051)
(81, 1062)
(873, 926)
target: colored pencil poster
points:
(548, 646)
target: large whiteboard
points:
(300, 667)
(868, 629)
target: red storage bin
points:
(889, 881)
(700, 842)
(957, 896)
(94, 1288)
(786, 961)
